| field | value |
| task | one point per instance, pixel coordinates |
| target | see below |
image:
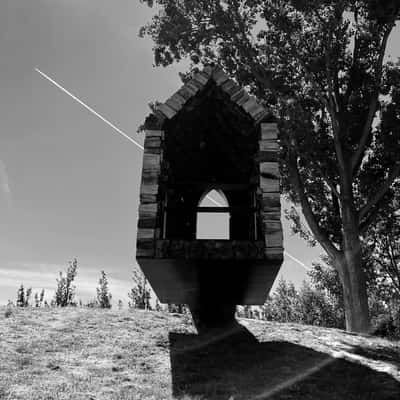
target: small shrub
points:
(92, 304)
(385, 327)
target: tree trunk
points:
(352, 276)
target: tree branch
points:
(365, 136)
(331, 250)
(324, 176)
(382, 190)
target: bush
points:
(384, 326)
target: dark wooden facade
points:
(210, 135)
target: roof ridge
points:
(198, 81)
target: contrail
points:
(214, 201)
(133, 141)
(89, 108)
(297, 260)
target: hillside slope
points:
(94, 354)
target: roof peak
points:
(198, 80)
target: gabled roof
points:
(198, 81)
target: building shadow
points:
(234, 365)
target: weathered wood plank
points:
(154, 133)
(152, 141)
(177, 98)
(210, 249)
(230, 87)
(240, 96)
(201, 78)
(274, 239)
(262, 115)
(269, 131)
(195, 83)
(270, 201)
(146, 198)
(149, 189)
(166, 110)
(148, 253)
(219, 77)
(274, 253)
(272, 226)
(174, 104)
(271, 216)
(148, 210)
(191, 87)
(147, 222)
(253, 108)
(145, 248)
(152, 150)
(150, 179)
(151, 162)
(268, 145)
(269, 168)
(268, 185)
(145, 233)
(185, 93)
(150, 175)
(251, 103)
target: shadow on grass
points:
(386, 355)
(235, 365)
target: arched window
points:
(212, 223)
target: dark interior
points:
(210, 144)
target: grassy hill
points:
(94, 354)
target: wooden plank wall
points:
(149, 221)
(270, 191)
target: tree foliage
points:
(23, 296)
(382, 245)
(140, 294)
(308, 305)
(320, 66)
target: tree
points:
(36, 297)
(140, 294)
(315, 308)
(283, 303)
(41, 298)
(383, 247)
(308, 305)
(21, 296)
(158, 306)
(320, 66)
(325, 279)
(27, 296)
(384, 302)
(65, 291)
(103, 293)
(177, 308)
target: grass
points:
(94, 354)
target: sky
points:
(69, 184)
